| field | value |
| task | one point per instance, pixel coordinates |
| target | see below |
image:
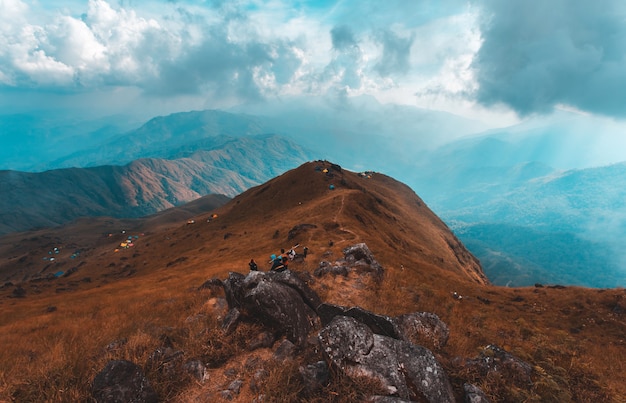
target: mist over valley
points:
(525, 182)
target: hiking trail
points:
(341, 227)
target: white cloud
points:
(232, 52)
(74, 44)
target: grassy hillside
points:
(126, 304)
(144, 186)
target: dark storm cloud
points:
(537, 54)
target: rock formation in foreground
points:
(388, 352)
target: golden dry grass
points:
(136, 299)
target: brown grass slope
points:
(25, 255)
(51, 198)
(122, 305)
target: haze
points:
(406, 79)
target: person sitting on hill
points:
(285, 263)
(277, 263)
(253, 265)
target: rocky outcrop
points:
(315, 376)
(493, 359)
(326, 267)
(122, 382)
(423, 328)
(474, 394)
(392, 352)
(379, 324)
(281, 301)
(403, 369)
(357, 258)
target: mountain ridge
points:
(143, 302)
(465, 181)
(143, 186)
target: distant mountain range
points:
(540, 183)
(144, 186)
(31, 141)
(170, 137)
(527, 221)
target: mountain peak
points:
(347, 207)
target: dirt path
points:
(341, 227)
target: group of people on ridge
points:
(280, 262)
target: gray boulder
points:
(281, 301)
(474, 394)
(292, 279)
(325, 267)
(122, 382)
(422, 328)
(493, 359)
(285, 350)
(403, 369)
(361, 256)
(233, 288)
(357, 258)
(233, 390)
(315, 376)
(379, 324)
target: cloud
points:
(536, 55)
(226, 52)
(396, 53)
(66, 52)
(345, 69)
(343, 39)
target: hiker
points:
(277, 263)
(285, 264)
(291, 254)
(253, 266)
(305, 251)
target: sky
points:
(496, 61)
